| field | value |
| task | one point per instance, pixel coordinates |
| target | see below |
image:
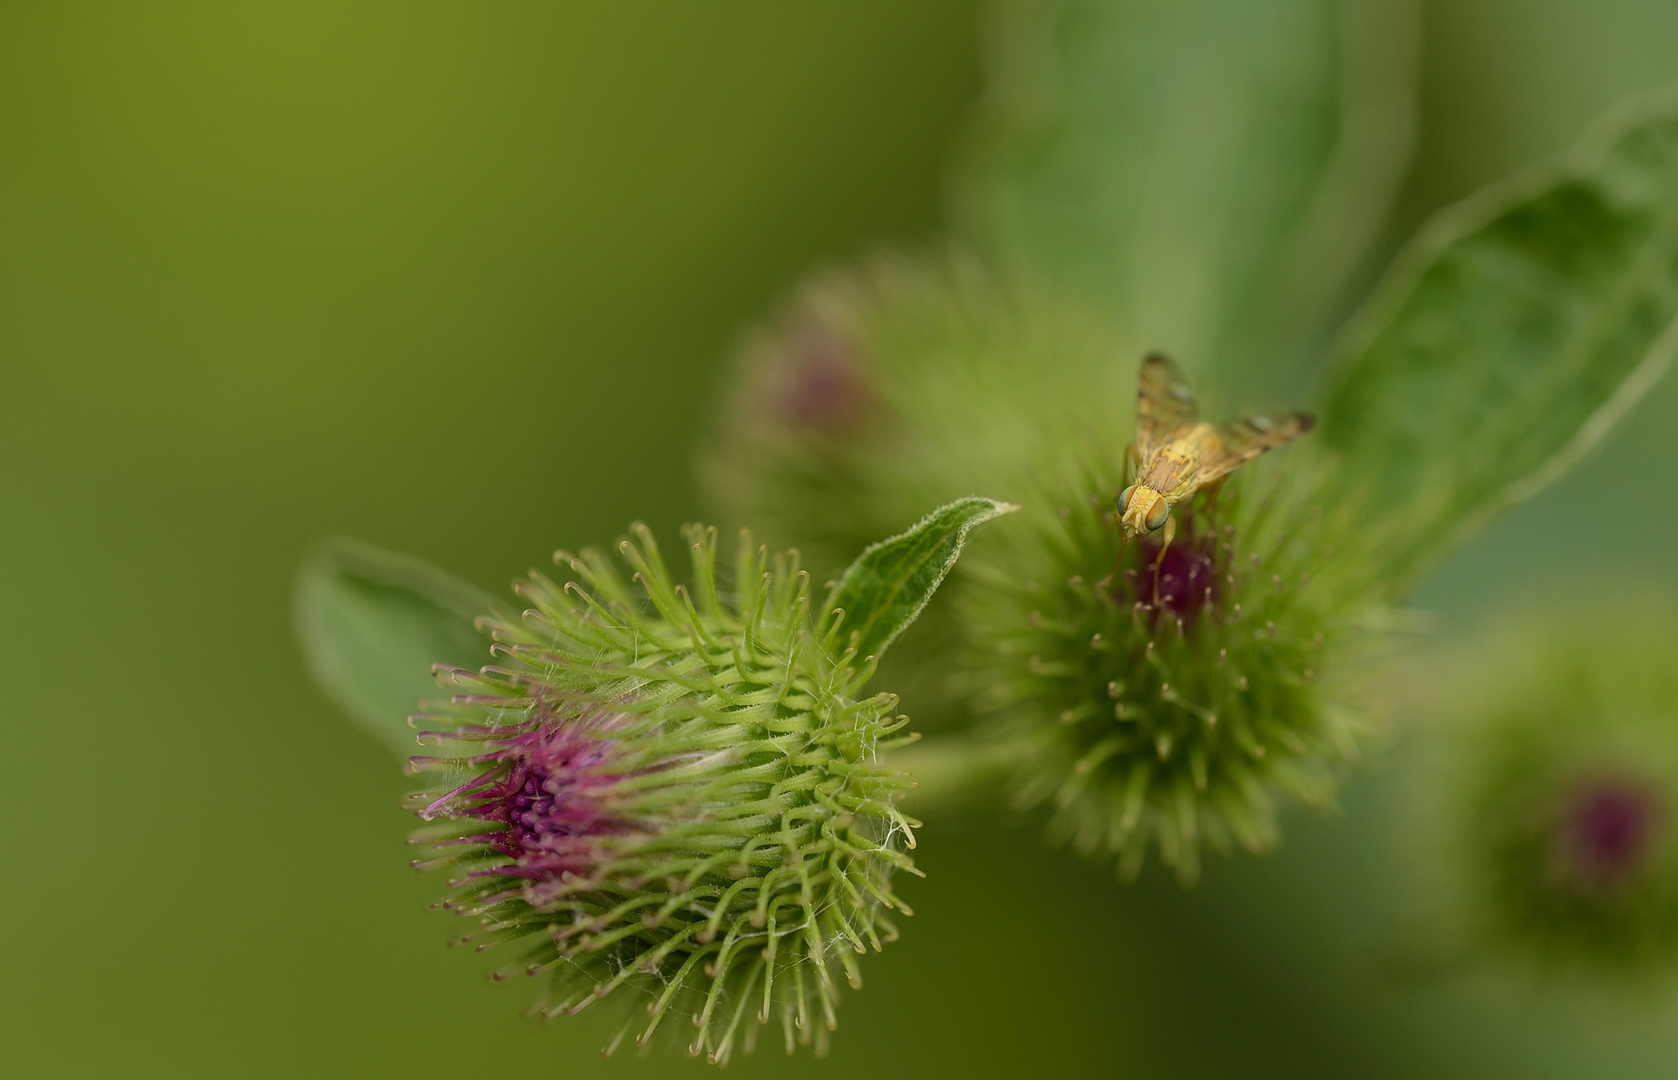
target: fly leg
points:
(1133, 467)
(1164, 546)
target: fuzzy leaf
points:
(1520, 326)
(372, 623)
(1206, 171)
(883, 591)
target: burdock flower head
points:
(672, 794)
(1553, 807)
(1165, 696)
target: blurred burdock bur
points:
(1506, 342)
(1545, 825)
(864, 394)
(667, 794)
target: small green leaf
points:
(1206, 172)
(889, 583)
(1511, 337)
(372, 623)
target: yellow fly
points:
(1177, 454)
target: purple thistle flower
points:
(1189, 578)
(818, 382)
(549, 788)
(1606, 833)
(1558, 781)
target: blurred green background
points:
(459, 280)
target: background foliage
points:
(454, 281)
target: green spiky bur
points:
(1545, 816)
(766, 727)
(1156, 718)
(673, 795)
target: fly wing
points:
(1164, 404)
(1244, 440)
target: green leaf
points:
(372, 623)
(1519, 327)
(883, 591)
(1206, 172)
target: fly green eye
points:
(1124, 499)
(1157, 515)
